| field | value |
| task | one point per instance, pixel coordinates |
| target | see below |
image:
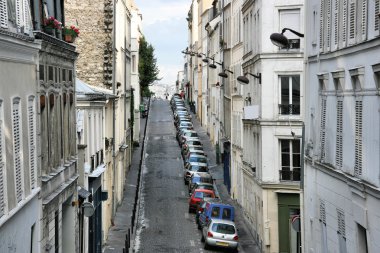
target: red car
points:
(198, 196)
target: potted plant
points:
(70, 33)
(51, 25)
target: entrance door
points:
(288, 217)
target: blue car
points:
(216, 210)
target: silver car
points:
(220, 233)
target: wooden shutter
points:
(321, 25)
(32, 141)
(344, 22)
(364, 20)
(2, 166)
(328, 24)
(358, 137)
(336, 23)
(322, 137)
(339, 135)
(352, 22)
(377, 13)
(3, 14)
(16, 121)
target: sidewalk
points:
(122, 221)
(247, 241)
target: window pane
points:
(295, 90)
(284, 90)
(285, 146)
(226, 213)
(296, 160)
(215, 211)
(285, 161)
(296, 146)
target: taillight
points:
(200, 209)
(236, 238)
(209, 234)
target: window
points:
(339, 134)
(32, 140)
(322, 135)
(358, 137)
(2, 163)
(322, 220)
(17, 147)
(134, 63)
(290, 95)
(215, 211)
(362, 239)
(341, 231)
(226, 213)
(3, 14)
(291, 19)
(290, 159)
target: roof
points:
(223, 221)
(85, 91)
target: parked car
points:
(186, 139)
(216, 210)
(199, 177)
(201, 207)
(186, 149)
(197, 151)
(197, 196)
(200, 185)
(187, 124)
(220, 233)
(195, 158)
(192, 168)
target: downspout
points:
(113, 108)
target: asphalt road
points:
(164, 224)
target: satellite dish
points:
(88, 209)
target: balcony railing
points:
(288, 175)
(286, 109)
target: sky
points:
(164, 26)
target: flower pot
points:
(50, 31)
(69, 38)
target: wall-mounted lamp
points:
(280, 40)
(245, 80)
(224, 74)
(213, 66)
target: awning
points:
(98, 171)
(83, 193)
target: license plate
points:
(222, 244)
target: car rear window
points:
(202, 169)
(201, 195)
(223, 228)
(226, 213)
(205, 180)
(215, 211)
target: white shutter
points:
(358, 137)
(336, 23)
(32, 141)
(339, 135)
(27, 17)
(2, 175)
(377, 14)
(19, 13)
(322, 211)
(16, 121)
(344, 22)
(3, 14)
(321, 25)
(322, 137)
(364, 20)
(328, 25)
(341, 223)
(352, 22)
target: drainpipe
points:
(113, 107)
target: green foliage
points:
(148, 70)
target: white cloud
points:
(155, 11)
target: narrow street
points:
(164, 224)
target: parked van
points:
(216, 210)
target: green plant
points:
(72, 30)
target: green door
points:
(288, 209)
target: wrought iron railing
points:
(290, 175)
(286, 109)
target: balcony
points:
(286, 109)
(288, 175)
(251, 112)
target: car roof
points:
(197, 155)
(198, 164)
(201, 174)
(202, 183)
(223, 221)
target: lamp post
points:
(280, 40)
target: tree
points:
(148, 70)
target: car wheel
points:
(206, 245)
(189, 210)
(199, 227)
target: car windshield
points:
(223, 228)
(195, 143)
(207, 187)
(198, 159)
(201, 195)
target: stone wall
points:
(94, 44)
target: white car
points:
(220, 233)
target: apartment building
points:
(342, 177)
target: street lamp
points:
(213, 66)
(224, 74)
(243, 79)
(280, 40)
